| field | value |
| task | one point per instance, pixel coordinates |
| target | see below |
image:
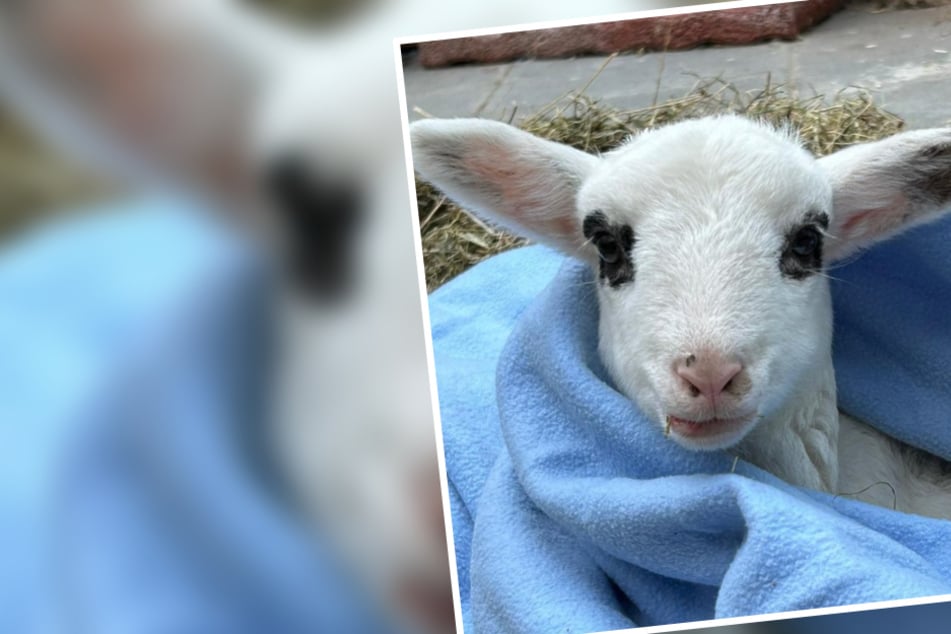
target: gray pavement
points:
(903, 58)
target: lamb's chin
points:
(708, 435)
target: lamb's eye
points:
(802, 251)
(608, 249)
(614, 242)
(806, 242)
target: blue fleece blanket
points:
(572, 513)
(135, 491)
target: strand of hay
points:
(453, 240)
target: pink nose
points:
(708, 375)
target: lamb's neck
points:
(799, 443)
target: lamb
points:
(710, 239)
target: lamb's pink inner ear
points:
(511, 178)
(867, 224)
(884, 187)
(530, 190)
(863, 227)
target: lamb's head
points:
(709, 240)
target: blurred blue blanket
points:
(572, 513)
(135, 494)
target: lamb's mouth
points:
(711, 429)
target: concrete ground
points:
(903, 58)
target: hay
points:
(36, 181)
(453, 241)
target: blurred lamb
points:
(710, 240)
(214, 99)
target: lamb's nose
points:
(708, 375)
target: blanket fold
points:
(136, 489)
(591, 520)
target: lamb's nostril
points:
(708, 375)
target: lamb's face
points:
(713, 301)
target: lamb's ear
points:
(512, 178)
(885, 187)
(140, 85)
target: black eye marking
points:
(614, 243)
(322, 216)
(801, 255)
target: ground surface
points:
(903, 58)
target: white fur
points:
(711, 202)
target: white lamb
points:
(710, 239)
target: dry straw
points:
(453, 240)
(36, 181)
